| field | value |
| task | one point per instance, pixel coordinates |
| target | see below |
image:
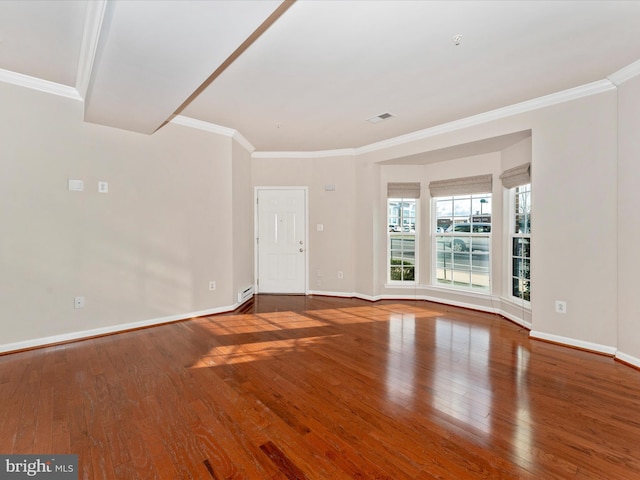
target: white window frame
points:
(416, 240)
(513, 235)
(450, 238)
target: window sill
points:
(514, 302)
(461, 291)
(411, 285)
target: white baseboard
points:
(572, 342)
(517, 320)
(331, 294)
(73, 336)
(428, 298)
(623, 357)
(123, 327)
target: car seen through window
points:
(469, 243)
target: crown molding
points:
(626, 73)
(39, 84)
(90, 38)
(344, 152)
(237, 136)
(200, 125)
(486, 117)
(212, 128)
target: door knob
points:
(302, 249)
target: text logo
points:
(45, 467)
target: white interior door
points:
(282, 234)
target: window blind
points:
(516, 176)
(461, 186)
(403, 190)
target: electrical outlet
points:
(561, 306)
(103, 187)
(212, 285)
(340, 274)
(78, 302)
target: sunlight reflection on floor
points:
(462, 387)
(251, 352)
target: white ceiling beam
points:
(151, 56)
(91, 35)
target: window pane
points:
(480, 244)
(480, 279)
(462, 250)
(395, 273)
(407, 243)
(480, 262)
(395, 242)
(443, 224)
(517, 247)
(408, 274)
(461, 261)
(520, 263)
(525, 269)
(445, 276)
(462, 278)
(396, 257)
(517, 267)
(460, 244)
(401, 219)
(444, 208)
(521, 289)
(481, 206)
(462, 207)
(516, 290)
(523, 223)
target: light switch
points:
(103, 187)
(320, 227)
(76, 185)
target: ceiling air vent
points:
(379, 118)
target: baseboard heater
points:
(244, 295)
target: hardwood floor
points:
(325, 388)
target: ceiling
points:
(306, 75)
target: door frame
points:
(256, 258)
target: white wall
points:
(241, 222)
(332, 249)
(142, 252)
(369, 220)
(574, 221)
(179, 213)
(628, 253)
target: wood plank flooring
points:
(294, 387)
